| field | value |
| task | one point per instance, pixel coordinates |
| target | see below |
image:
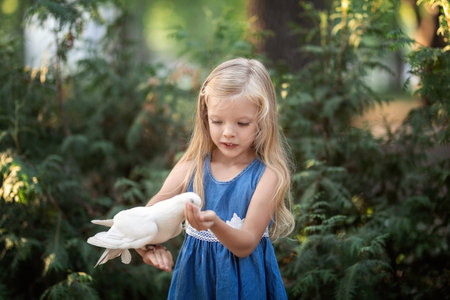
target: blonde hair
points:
(234, 79)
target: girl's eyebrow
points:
(248, 118)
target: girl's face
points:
(232, 126)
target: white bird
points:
(140, 226)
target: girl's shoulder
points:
(181, 171)
(270, 174)
(183, 166)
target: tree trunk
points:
(281, 46)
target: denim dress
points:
(205, 269)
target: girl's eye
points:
(216, 122)
(243, 124)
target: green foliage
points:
(371, 213)
(76, 286)
(69, 17)
(126, 121)
(229, 38)
(23, 96)
(432, 66)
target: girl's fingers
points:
(167, 260)
(147, 256)
(158, 257)
(200, 220)
(187, 213)
(190, 215)
(197, 218)
(164, 259)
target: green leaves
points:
(130, 190)
(229, 37)
(371, 213)
(432, 65)
(76, 285)
(368, 210)
(18, 184)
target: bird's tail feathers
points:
(107, 223)
(125, 257)
(109, 254)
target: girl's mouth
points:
(229, 145)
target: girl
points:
(237, 164)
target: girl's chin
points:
(235, 153)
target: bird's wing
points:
(137, 222)
(115, 239)
(177, 230)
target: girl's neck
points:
(225, 169)
(245, 159)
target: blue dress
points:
(205, 269)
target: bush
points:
(371, 212)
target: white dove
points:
(140, 226)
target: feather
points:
(107, 255)
(125, 257)
(107, 223)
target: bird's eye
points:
(192, 201)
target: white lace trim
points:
(207, 235)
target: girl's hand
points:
(200, 220)
(158, 256)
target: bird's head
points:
(193, 198)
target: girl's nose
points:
(229, 131)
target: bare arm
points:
(241, 242)
(173, 183)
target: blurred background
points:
(97, 101)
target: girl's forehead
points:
(240, 105)
(228, 102)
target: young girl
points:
(237, 164)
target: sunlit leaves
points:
(75, 286)
(17, 183)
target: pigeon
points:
(141, 226)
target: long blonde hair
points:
(244, 78)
